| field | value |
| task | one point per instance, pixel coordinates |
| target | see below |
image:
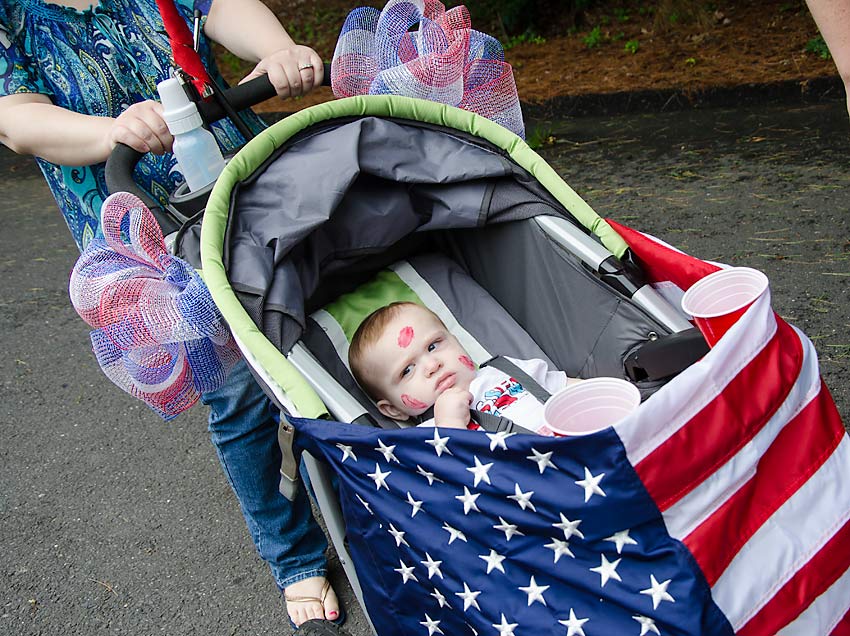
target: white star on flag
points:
(574, 625)
(522, 498)
(620, 539)
(480, 471)
(646, 625)
(498, 440)
(429, 476)
(415, 505)
(607, 570)
(658, 591)
(387, 452)
(432, 625)
(544, 460)
(379, 477)
(455, 534)
(440, 598)
(508, 528)
(560, 548)
(468, 597)
(398, 535)
(535, 592)
(505, 628)
(570, 528)
(468, 500)
(346, 452)
(406, 572)
(432, 565)
(439, 443)
(365, 504)
(590, 483)
(494, 561)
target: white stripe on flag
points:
(823, 614)
(428, 296)
(787, 540)
(334, 332)
(675, 404)
(695, 507)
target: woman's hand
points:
(142, 128)
(292, 71)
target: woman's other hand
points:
(292, 71)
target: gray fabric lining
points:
(584, 325)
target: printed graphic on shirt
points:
(499, 397)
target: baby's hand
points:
(451, 410)
(294, 71)
(142, 128)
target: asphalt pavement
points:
(113, 521)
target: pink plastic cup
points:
(717, 301)
(589, 406)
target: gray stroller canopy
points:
(336, 203)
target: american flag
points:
(720, 506)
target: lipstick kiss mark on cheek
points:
(405, 337)
(412, 403)
(465, 361)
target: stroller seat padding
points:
(481, 324)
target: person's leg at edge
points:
(285, 534)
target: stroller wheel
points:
(319, 627)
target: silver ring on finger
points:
(303, 67)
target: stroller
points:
(694, 515)
(429, 202)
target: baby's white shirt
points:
(497, 393)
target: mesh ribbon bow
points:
(158, 334)
(445, 60)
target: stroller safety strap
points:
(528, 383)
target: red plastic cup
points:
(588, 406)
(717, 301)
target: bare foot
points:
(311, 598)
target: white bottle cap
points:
(180, 113)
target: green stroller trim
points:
(251, 157)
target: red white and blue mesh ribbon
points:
(444, 60)
(158, 334)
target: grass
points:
(818, 47)
(593, 38)
(539, 136)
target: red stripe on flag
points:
(661, 263)
(843, 627)
(802, 446)
(822, 570)
(725, 424)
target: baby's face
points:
(414, 361)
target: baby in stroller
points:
(408, 362)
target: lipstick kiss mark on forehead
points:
(465, 361)
(405, 337)
(412, 403)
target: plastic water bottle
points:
(198, 155)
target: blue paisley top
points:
(98, 62)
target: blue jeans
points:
(244, 433)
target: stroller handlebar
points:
(123, 159)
